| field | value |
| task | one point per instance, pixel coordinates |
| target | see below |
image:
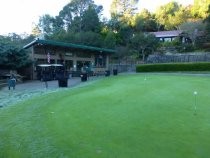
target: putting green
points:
(126, 116)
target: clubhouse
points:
(73, 57)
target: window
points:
(69, 54)
(100, 60)
(83, 65)
(83, 54)
(69, 64)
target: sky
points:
(19, 16)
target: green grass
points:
(116, 117)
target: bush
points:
(173, 67)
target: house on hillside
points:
(73, 57)
(169, 36)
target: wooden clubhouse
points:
(73, 57)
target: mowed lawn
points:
(125, 116)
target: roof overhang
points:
(48, 65)
(44, 65)
(68, 45)
(165, 34)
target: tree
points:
(200, 8)
(125, 33)
(122, 52)
(76, 22)
(144, 44)
(36, 32)
(110, 40)
(13, 39)
(72, 13)
(207, 30)
(90, 19)
(193, 29)
(57, 25)
(89, 38)
(181, 16)
(172, 15)
(46, 24)
(123, 7)
(145, 22)
(123, 10)
(122, 30)
(12, 57)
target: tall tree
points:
(89, 38)
(36, 30)
(12, 57)
(123, 9)
(90, 19)
(110, 40)
(145, 21)
(144, 44)
(122, 12)
(46, 24)
(122, 30)
(75, 19)
(193, 29)
(200, 8)
(72, 13)
(171, 15)
(207, 29)
(181, 16)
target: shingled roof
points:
(174, 33)
(67, 45)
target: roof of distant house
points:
(173, 33)
(67, 45)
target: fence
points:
(192, 57)
(123, 67)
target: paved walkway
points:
(31, 88)
(38, 85)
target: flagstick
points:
(195, 107)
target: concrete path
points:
(28, 89)
(31, 88)
(38, 85)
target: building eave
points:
(68, 45)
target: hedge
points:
(171, 67)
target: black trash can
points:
(63, 82)
(107, 73)
(115, 72)
(83, 77)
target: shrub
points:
(171, 67)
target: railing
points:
(99, 70)
(123, 67)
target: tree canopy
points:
(80, 22)
(171, 15)
(200, 8)
(144, 44)
(12, 57)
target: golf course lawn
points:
(124, 116)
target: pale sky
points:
(19, 15)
